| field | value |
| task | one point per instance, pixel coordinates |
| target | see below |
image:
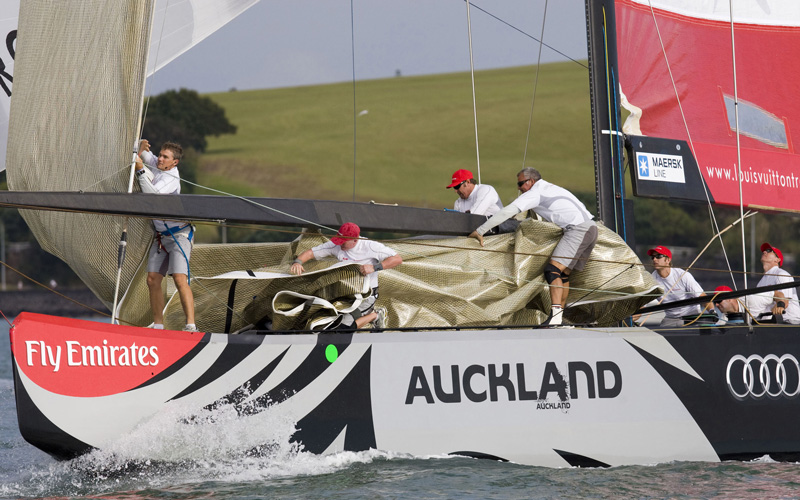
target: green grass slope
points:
(411, 134)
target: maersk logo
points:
(662, 168)
(478, 383)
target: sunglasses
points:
(520, 183)
(657, 256)
(769, 250)
(459, 186)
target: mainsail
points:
(677, 72)
(80, 72)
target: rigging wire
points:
(714, 222)
(535, 84)
(474, 103)
(12, 268)
(613, 111)
(353, 57)
(529, 36)
(741, 220)
(738, 140)
(123, 241)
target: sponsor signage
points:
(759, 377)
(660, 167)
(545, 384)
(88, 359)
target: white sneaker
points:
(155, 326)
(191, 327)
(555, 318)
(380, 321)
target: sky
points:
(285, 43)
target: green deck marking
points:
(331, 353)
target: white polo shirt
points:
(364, 252)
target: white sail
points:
(9, 10)
(178, 25)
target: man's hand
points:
(779, 308)
(366, 269)
(297, 269)
(144, 145)
(474, 234)
(139, 163)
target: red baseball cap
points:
(661, 250)
(767, 246)
(723, 288)
(348, 231)
(460, 176)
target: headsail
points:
(689, 43)
(177, 27)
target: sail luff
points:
(80, 71)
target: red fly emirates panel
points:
(89, 359)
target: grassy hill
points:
(412, 133)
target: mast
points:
(606, 130)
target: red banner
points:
(677, 66)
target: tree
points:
(186, 118)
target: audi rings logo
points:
(769, 376)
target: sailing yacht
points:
(463, 368)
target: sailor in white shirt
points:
(782, 302)
(677, 284)
(372, 257)
(478, 199)
(557, 205)
(172, 247)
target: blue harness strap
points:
(171, 231)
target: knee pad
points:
(564, 277)
(552, 273)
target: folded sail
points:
(441, 283)
(689, 43)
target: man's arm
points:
(388, 263)
(778, 299)
(297, 265)
(494, 221)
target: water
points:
(203, 463)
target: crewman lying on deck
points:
(372, 256)
(559, 206)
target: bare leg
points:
(156, 296)
(185, 293)
(558, 289)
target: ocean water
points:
(175, 460)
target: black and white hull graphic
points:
(557, 397)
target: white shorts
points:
(171, 255)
